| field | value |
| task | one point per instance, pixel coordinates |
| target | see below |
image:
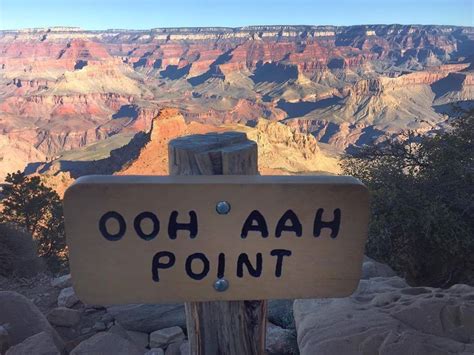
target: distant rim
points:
(229, 29)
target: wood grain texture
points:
(103, 226)
(228, 153)
(235, 327)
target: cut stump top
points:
(227, 153)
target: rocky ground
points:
(386, 316)
(42, 315)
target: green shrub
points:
(422, 203)
(34, 207)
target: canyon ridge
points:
(75, 101)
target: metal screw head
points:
(221, 285)
(223, 207)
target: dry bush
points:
(18, 253)
(37, 209)
(422, 191)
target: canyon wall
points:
(65, 88)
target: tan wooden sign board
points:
(150, 239)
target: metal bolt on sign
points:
(221, 285)
(223, 207)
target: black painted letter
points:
(157, 264)
(205, 268)
(333, 225)
(103, 226)
(294, 227)
(174, 226)
(244, 259)
(261, 225)
(279, 253)
(137, 223)
(221, 266)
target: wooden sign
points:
(150, 239)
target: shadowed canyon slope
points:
(64, 89)
(281, 150)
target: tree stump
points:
(221, 327)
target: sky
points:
(145, 14)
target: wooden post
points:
(235, 327)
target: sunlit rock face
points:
(65, 88)
(281, 150)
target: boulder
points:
(38, 344)
(107, 318)
(280, 341)
(149, 317)
(173, 349)
(155, 351)
(117, 329)
(64, 317)
(184, 348)
(99, 326)
(280, 312)
(22, 319)
(67, 297)
(163, 337)
(62, 281)
(107, 343)
(372, 268)
(86, 330)
(387, 316)
(139, 338)
(4, 340)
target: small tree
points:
(422, 203)
(31, 205)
